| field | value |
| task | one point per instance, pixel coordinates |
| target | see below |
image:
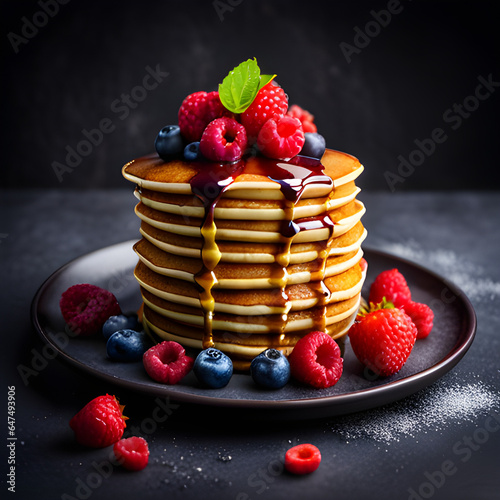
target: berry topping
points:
(281, 138)
(192, 151)
(304, 116)
(224, 139)
(315, 360)
(392, 285)
(168, 142)
(197, 111)
(363, 264)
(270, 369)
(422, 316)
(85, 308)
(382, 338)
(126, 345)
(314, 145)
(120, 322)
(270, 102)
(302, 459)
(132, 453)
(167, 362)
(213, 368)
(99, 423)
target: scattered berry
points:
(167, 362)
(192, 151)
(314, 145)
(302, 459)
(197, 111)
(99, 423)
(392, 285)
(132, 453)
(422, 316)
(120, 322)
(169, 142)
(224, 139)
(85, 308)
(270, 102)
(213, 368)
(306, 118)
(281, 138)
(270, 369)
(382, 338)
(363, 264)
(126, 345)
(315, 360)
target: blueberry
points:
(169, 142)
(120, 322)
(213, 368)
(270, 369)
(314, 145)
(126, 345)
(192, 151)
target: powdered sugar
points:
(470, 277)
(436, 409)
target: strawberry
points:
(422, 316)
(392, 285)
(270, 102)
(382, 338)
(132, 453)
(99, 423)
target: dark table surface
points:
(442, 442)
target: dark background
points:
(66, 77)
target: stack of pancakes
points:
(250, 255)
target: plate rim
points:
(344, 403)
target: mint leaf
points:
(265, 79)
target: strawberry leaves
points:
(239, 88)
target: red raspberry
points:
(270, 102)
(224, 139)
(99, 423)
(132, 453)
(422, 316)
(167, 362)
(281, 139)
(392, 285)
(197, 111)
(306, 118)
(382, 339)
(315, 360)
(302, 459)
(85, 308)
(363, 264)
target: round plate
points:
(112, 269)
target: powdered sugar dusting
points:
(443, 405)
(471, 278)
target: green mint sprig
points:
(238, 90)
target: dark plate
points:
(112, 269)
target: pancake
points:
(248, 255)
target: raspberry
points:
(302, 459)
(270, 102)
(383, 338)
(167, 362)
(422, 316)
(99, 423)
(392, 285)
(132, 453)
(224, 139)
(363, 264)
(315, 360)
(306, 118)
(85, 308)
(197, 111)
(281, 139)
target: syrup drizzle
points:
(209, 184)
